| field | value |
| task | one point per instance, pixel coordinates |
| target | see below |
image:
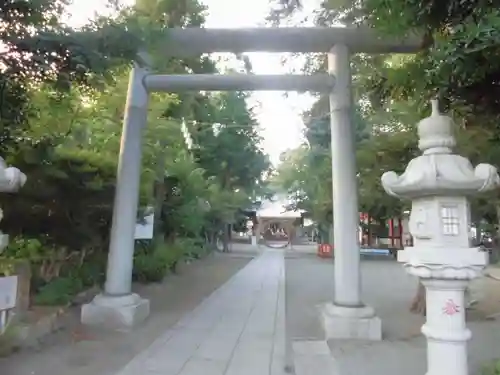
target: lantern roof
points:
(439, 171)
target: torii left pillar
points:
(117, 307)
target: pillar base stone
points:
(341, 322)
(116, 313)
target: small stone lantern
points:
(11, 179)
(438, 183)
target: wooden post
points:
(391, 231)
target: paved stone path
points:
(238, 330)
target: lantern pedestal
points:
(341, 322)
(445, 285)
(445, 328)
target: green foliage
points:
(491, 369)
(79, 186)
(58, 292)
(153, 261)
(458, 64)
(306, 172)
(24, 248)
(38, 48)
(63, 95)
(428, 14)
(57, 273)
(227, 146)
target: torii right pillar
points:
(438, 183)
(347, 317)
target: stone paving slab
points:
(313, 358)
(238, 330)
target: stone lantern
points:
(11, 179)
(438, 183)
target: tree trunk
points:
(226, 237)
(418, 303)
(159, 193)
(159, 198)
(496, 240)
(498, 226)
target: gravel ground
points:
(386, 287)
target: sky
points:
(278, 114)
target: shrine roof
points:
(278, 208)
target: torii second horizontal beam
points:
(195, 41)
(239, 82)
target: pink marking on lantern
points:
(450, 308)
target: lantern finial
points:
(435, 107)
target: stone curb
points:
(29, 335)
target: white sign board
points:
(144, 230)
(8, 292)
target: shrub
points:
(67, 199)
(149, 265)
(60, 220)
(57, 273)
(58, 292)
(193, 248)
(152, 262)
(492, 369)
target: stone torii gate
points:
(347, 316)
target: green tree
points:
(64, 131)
(226, 145)
(458, 65)
(37, 48)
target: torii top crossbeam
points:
(195, 41)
